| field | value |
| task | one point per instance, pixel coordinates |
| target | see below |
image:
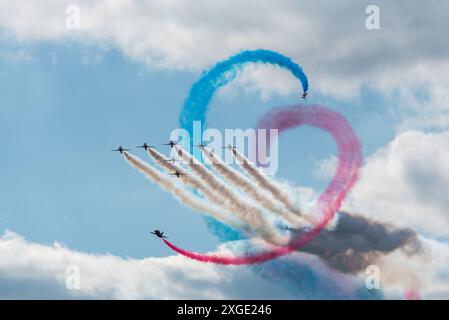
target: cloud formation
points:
(39, 272)
(406, 183)
(408, 55)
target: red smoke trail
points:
(349, 162)
(412, 295)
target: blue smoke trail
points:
(196, 104)
(202, 91)
(297, 278)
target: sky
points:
(68, 96)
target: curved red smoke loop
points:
(329, 202)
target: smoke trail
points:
(265, 183)
(205, 189)
(349, 162)
(355, 242)
(412, 295)
(161, 161)
(183, 196)
(228, 196)
(216, 192)
(349, 152)
(201, 171)
(246, 185)
(195, 106)
(187, 179)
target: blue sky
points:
(63, 181)
(61, 117)
(69, 96)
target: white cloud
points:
(406, 183)
(407, 55)
(426, 275)
(325, 168)
(264, 79)
(39, 272)
(30, 270)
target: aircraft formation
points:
(146, 146)
(177, 173)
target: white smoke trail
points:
(266, 183)
(348, 247)
(228, 196)
(160, 159)
(185, 197)
(187, 179)
(212, 187)
(242, 182)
